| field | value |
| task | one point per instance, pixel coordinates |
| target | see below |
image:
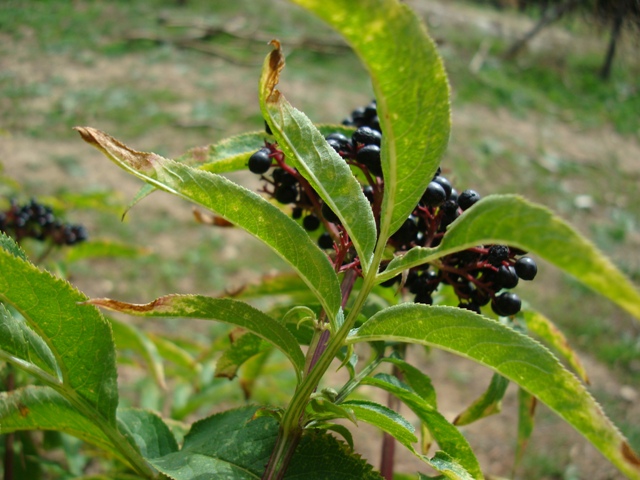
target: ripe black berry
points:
(338, 139)
(286, 193)
(325, 241)
(507, 277)
(472, 306)
(444, 183)
(311, 223)
(369, 155)
(506, 304)
(367, 136)
(368, 193)
(406, 233)
(282, 177)
(497, 254)
(424, 297)
(260, 161)
(526, 268)
(296, 213)
(468, 198)
(328, 214)
(434, 195)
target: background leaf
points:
(222, 309)
(546, 330)
(127, 336)
(489, 403)
(415, 119)
(513, 355)
(237, 205)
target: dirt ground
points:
(458, 381)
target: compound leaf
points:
(242, 448)
(305, 147)
(449, 438)
(512, 355)
(384, 418)
(42, 408)
(234, 203)
(77, 336)
(394, 46)
(511, 220)
(222, 309)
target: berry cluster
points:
(479, 276)
(37, 221)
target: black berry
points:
(497, 254)
(286, 193)
(526, 268)
(435, 195)
(328, 214)
(260, 161)
(369, 155)
(325, 241)
(506, 304)
(367, 136)
(444, 183)
(468, 198)
(311, 223)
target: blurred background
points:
(545, 103)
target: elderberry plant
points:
(354, 209)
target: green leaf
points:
(20, 342)
(232, 154)
(243, 446)
(176, 354)
(8, 244)
(509, 219)
(324, 409)
(222, 309)
(447, 435)
(489, 403)
(526, 410)
(242, 349)
(129, 337)
(385, 419)
(305, 147)
(103, 248)
(341, 430)
(546, 330)
(237, 205)
(42, 408)
(415, 119)
(77, 336)
(418, 381)
(148, 432)
(449, 467)
(228, 155)
(511, 354)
